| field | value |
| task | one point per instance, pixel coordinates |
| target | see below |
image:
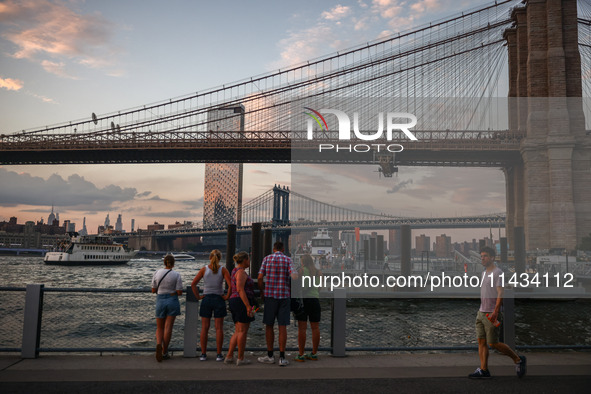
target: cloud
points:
(337, 13)
(73, 193)
(260, 172)
(194, 204)
(44, 31)
(399, 186)
(425, 5)
(11, 84)
(58, 69)
(143, 194)
(157, 198)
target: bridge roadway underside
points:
(409, 157)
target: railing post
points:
(191, 324)
(32, 321)
(509, 318)
(338, 323)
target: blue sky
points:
(63, 60)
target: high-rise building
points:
(132, 225)
(422, 243)
(107, 221)
(119, 224)
(222, 200)
(395, 241)
(443, 246)
(84, 230)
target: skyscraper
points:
(222, 200)
(119, 224)
(84, 231)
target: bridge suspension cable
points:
(462, 56)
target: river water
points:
(125, 320)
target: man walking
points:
(277, 268)
(489, 317)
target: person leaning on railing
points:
(213, 301)
(242, 306)
(168, 286)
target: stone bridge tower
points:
(549, 194)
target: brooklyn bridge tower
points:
(549, 194)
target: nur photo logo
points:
(393, 123)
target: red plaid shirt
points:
(277, 268)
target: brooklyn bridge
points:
(447, 74)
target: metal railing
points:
(38, 319)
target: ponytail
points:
(214, 258)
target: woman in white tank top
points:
(213, 301)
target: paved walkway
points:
(441, 372)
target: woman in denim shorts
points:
(169, 286)
(213, 301)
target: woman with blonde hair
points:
(242, 306)
(168, 286)
(213, 301)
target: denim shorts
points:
(213, 304)
(167, 305)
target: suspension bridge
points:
(450, 74)
(283, 210)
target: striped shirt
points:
(277, 268)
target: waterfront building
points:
(442, 246)
(395, 241)
(422, 244)
(222, 192)
(69, 227)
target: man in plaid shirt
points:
(277, 267)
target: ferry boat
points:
(321, 243)
(89, 250)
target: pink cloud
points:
(11, 84)
(42, 29)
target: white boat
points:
(321, 243)
(182, 257)
(89, 250)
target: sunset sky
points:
(63, 60)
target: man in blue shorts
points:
(489, 317)
(277, 268)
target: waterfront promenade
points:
(417, 372)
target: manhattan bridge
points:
(449, 74)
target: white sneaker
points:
(266, 360)
(229, 360)
(244, 361)
(283, 362)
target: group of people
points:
(274, 282)
(273, 279)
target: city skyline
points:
(119, 67)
